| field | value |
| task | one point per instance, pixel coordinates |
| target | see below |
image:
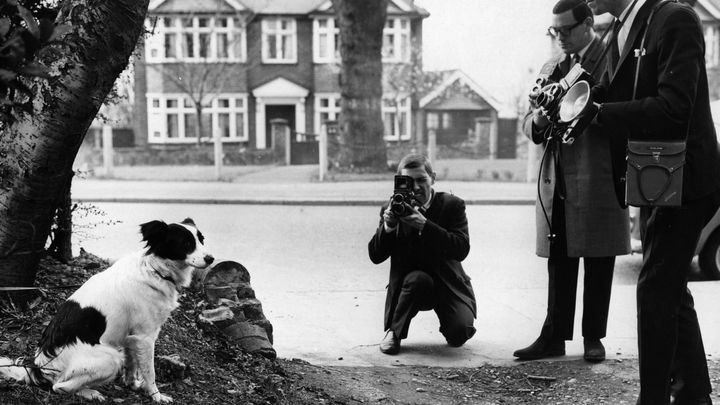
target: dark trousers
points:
(421, 293)
(562, 287)
(669, 341)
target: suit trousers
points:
(421, 293)
(669, 340)
(562, 287)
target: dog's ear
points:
(188, 221)
(153, 230)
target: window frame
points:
(278, 32)
(158, 116)
(333, 109)
(234, 30)
(401, 33)
(402, 107)
(332, 32)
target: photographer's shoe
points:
(594, 350)
(390, 344)
(541, 348)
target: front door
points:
(286, 112)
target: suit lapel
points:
(637, 27)
(435, 206)
(592, 55)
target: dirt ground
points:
(218, 372)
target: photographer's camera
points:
(403, 197)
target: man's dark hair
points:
(580, 9)
(413, 161)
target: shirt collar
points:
(429, 201)
(631, 13)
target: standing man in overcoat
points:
(671, 103)
(576, 205)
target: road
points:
(310, 269)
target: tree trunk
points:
(61, 247)
(361, 128)
(39, 147)
(198, 123)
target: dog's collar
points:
(168, 279)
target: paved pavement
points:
(496, 339)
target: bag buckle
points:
(656, 156)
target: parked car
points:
(708, 249)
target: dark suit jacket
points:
(438, 251)
(595, 226)
(672, 100)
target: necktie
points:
(575, 59)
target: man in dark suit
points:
(671, 103)
(425, 247)
(575, 204)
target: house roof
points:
(287, 7)
(452, 76)
(708, 9)
(195, 6)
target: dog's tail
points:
(21, 370)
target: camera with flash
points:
(567, 103)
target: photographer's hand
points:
(416, 220)
(540, 119)
(390, 220)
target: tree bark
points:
(37, 149)
(61, 246)
(361, 24)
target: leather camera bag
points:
(654, 174)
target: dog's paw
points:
(91, 395)
(161, 398)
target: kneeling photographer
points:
(425, 235)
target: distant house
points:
(273, 58)
(463, 114)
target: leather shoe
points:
(541, 348)
(594, 351)
(390, 343)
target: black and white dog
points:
(114, 318)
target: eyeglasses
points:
(564, 31)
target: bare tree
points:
(361, 24)
(39, 144)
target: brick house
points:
(270, 59)
(465, 116)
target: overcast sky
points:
(496, 42)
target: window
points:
(327, 108)
(396, 118)
(432, 120)
(279, 40)
(712, 45)
(196, 39)
(396, 40)
(173, 119)
(326, 40)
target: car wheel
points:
(709, 258)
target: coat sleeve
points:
(453, 240)
(680, 55)
(381, 244)
(531, 131)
